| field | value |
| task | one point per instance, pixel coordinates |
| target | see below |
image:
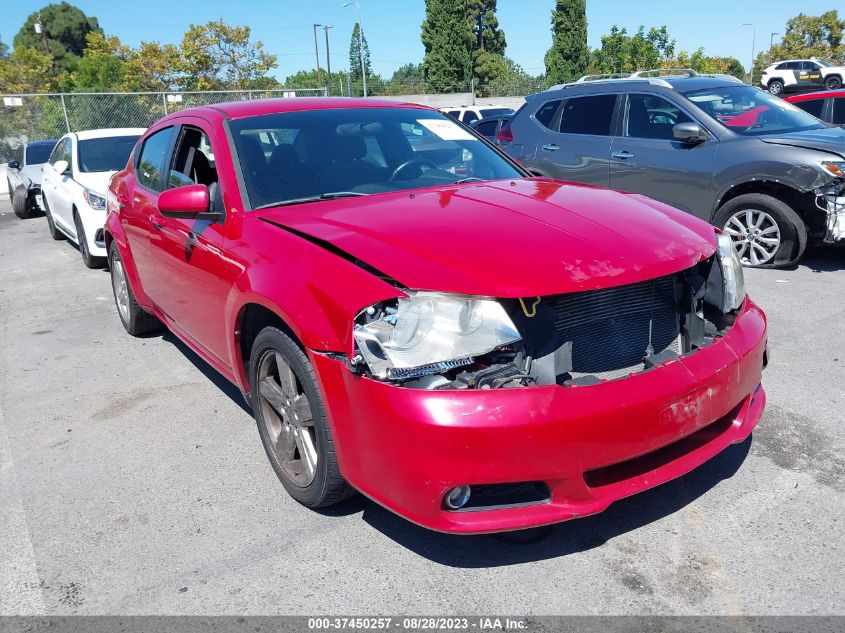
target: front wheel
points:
(22, 203)
(292, 421)
(765, 231)
(135, 320)
(91, 261)
(833, 83)
(776, 87)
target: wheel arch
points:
(802, 202)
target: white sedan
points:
(74, 185)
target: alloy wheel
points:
(121, 288)
(288, 420)
(755, 235)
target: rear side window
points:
(588, 115)
(546, 114)
(781, 66)
(838, 111)
(469, 116)
(151, 159)
(37, 154)
(811, 106)
(487, 128)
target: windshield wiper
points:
(470, 179)
(332, 195)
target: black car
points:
(490, 128)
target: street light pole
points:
(753, 43)
(360, 43)
(328, 62)
(317, 53)
(772, 39)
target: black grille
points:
(609, 329)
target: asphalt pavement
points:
(133, 481)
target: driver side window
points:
(652, 117)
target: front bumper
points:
(590, 445)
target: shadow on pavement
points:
(823, 258)
(563, 539)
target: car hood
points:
(526, 237)
(96, 181)
(829, 139)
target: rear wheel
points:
(766, 232)
(22, 203)
(833, 83)
(776, 87)
(91, 261)
(292, 421)
(135, 320)
(55, 233)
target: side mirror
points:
(13, 164)
(189, 201)
(61, 167)
(689, 133)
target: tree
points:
(448, 39)
(488, 43)
(154, 67)
(64, 31)
(217, 56)
(103, 66)
(702, 63)
(807, 36)
(515, 81)
(4, 50)
(356, 43)
(623, 53)
(569, 54)
(406, 80)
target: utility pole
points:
(317, 53)
(753, 42)
(328, 63)
(360, 43)
(772, 40)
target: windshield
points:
(294, 157)
(105, 154)
(752, 112)
(823, 62)
(37, 154)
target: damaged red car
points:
(412, 316)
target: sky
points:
(392, 27)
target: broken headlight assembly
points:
(733, 281)
(429, 332)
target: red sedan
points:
(829, 105)
(413, 317)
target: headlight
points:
(733, 280)
(94, 200)
(430, 331)
(834, 168)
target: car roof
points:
(679, 83)
(84, 135)
(822, 94)
(256, 107)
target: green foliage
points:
(623, 53)
(27, 70)
(807, 36)
(702, 63)
(569, 55)
(65, 28)
(215, 56)
(448, 40)
(357, 42)
(4, 50)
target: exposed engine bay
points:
(831, 200)
(572, 339)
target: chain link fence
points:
(44, 116)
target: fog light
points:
(456, 498)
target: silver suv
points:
(767, 173)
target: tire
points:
(135, 319)
(766, 213)
(55, 233)
(775, 87)
(833, 83)
(294, 429)
(21, 203)
(91, 261)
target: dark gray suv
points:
(769, 174)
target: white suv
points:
(802, 74)
(74, 185)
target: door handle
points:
(550, 147)
(623, 155)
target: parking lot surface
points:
(133, 481)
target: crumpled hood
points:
(96, 181)
(527, 237)
(825, 139)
